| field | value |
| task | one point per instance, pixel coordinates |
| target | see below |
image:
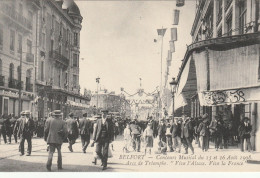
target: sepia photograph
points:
(120, 86)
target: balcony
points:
(2, 80)
(29, 87)
(60, 60)
(13, 83)
(13, 17)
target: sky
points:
(117, 43)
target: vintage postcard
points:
(129, 86)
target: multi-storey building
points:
(57, 80)
(17, 49)
(111, 102)
(220, 73)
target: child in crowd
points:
(127, 138)
(148, 137)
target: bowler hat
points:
(104, 111)
(71, 114)
(56, 113)
(205, 116)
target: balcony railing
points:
(29, 87)
(14, 15)
(13, 83)
(2, 80)
(55, 55)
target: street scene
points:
(129, 86)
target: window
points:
(11, 71)
(12, 40)
(75, 39)
(30, 19)
(1, 36)
(29, 47)
(18, 72)
(229, 25)
(242, 16)
(20, 42)
(1, 67)
(43, 40)
(220, 32)
(75, 60)
(74, 80)
(21, 9)
(42, 70)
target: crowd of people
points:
(172, 134)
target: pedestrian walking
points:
(3, 128)
(244, 131)
(8, 128)
(187, 134)
(136, 135)
(103, 135)
(176, 134)
(169, 136)
(73, 132)
(25, 132)
(54, 132)
(148, 137)
(13, 121)
(204, 133)
(216, 128)
(95, 156)
(84, 131)
(127, 138)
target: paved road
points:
(223, 160)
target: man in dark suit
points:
(244, 131)
(162, 131)
(25, 132)
(54, 132)
(3, 128)
(84, 131)
(187, 134)
(13, 122)
(73, 132)
(102, 136)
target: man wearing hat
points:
(187, 134)
(84, 131)
(73, 132)
(54, 132)
(25, 132)
(204, 133)
(102, 136)
(215, 128)
(244, 131)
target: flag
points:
(172, 46)
(161, 32)
(173, 34)
(176, 14)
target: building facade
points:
(221, 69)
(57, 63)
(111, 102)
(17, 49)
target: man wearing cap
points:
(102, 136)
(25, 132)
(84, 131)
(73, 132)
(55, 131)
(215, 128)
(187, 134)
(204, 133)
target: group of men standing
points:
(56, 131)
(7, 124)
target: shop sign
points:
(9, 93)
(211, 98)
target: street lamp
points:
(173, 84)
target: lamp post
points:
(97, 81)
(173, 84)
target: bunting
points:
(176, 14)
(161, 32)
(173, 34)
(172, 46)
